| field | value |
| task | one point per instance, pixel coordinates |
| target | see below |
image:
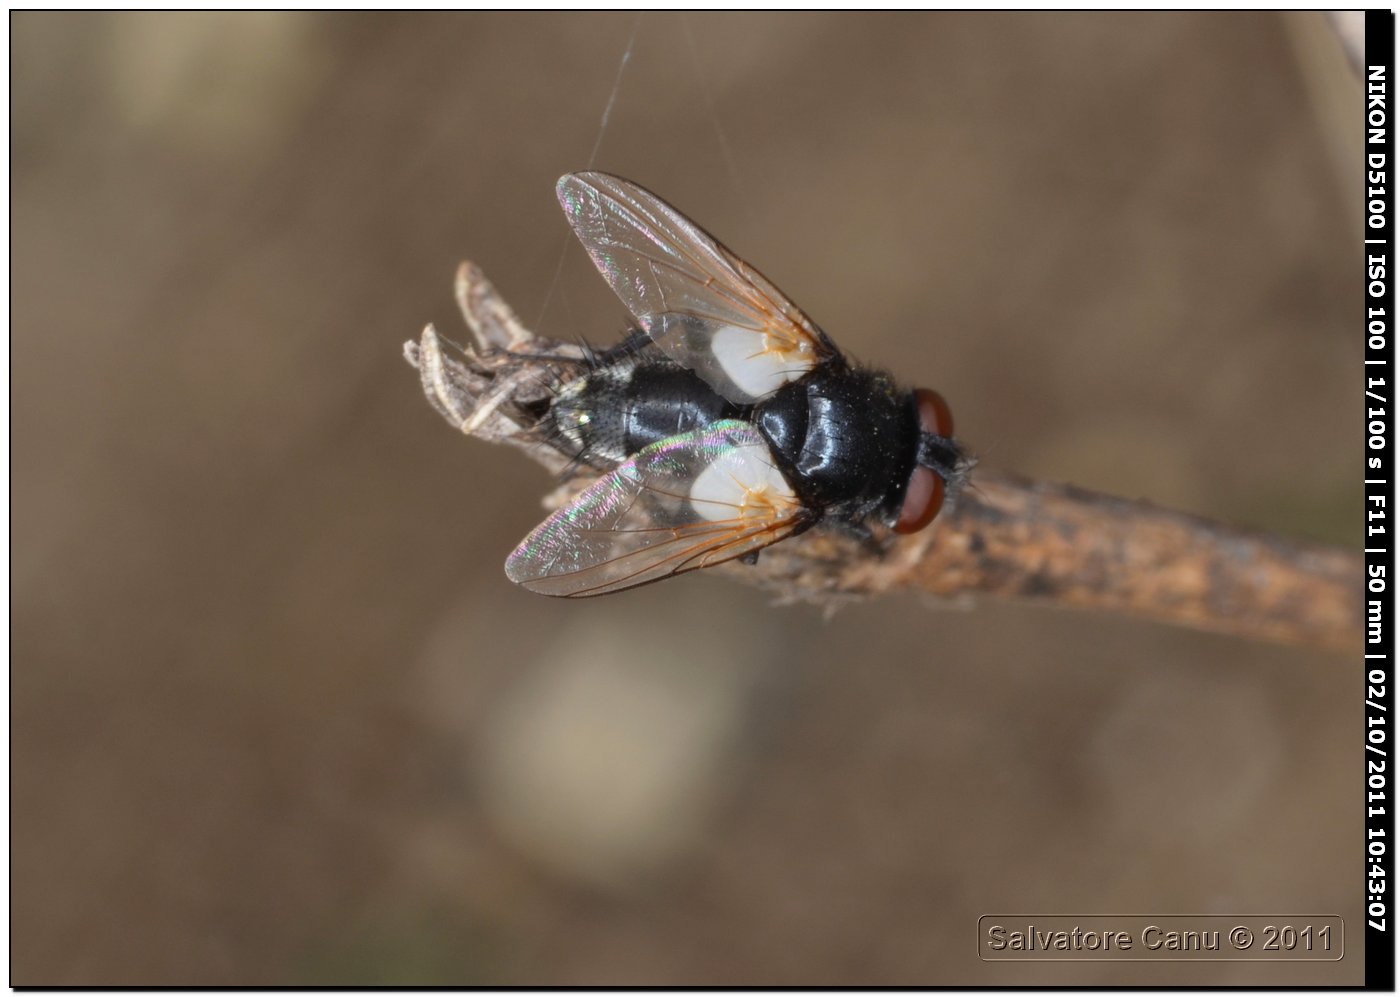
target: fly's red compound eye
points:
(922, 500)
(923, 497)
(934, 414)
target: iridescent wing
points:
(690, 501)
(705, 307)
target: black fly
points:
(727, 422)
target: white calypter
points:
(742, 483)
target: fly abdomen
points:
(623, 406)
(667, 400)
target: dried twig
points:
(1004, 536)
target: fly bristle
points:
(548, 433)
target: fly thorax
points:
(847, 435)
(782, 418)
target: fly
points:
(727, 422)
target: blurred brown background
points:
(279, 717)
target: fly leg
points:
(859, 529)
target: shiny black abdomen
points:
(623, 405)
(670, 400)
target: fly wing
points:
(686, 502)
(704, 306)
